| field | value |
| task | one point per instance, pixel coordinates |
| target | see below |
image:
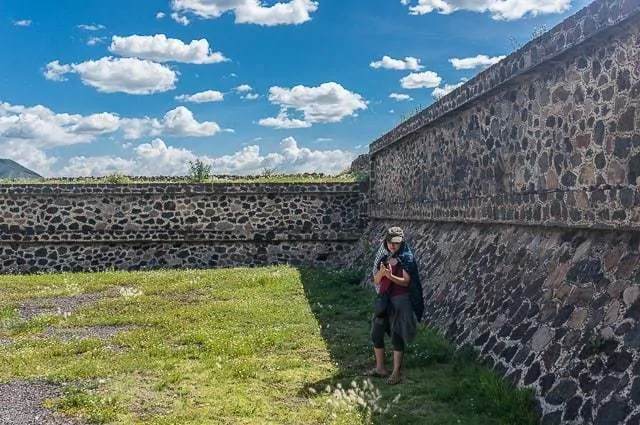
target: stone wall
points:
(519, 191)
(132, 226)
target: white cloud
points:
(202, 97)
(159, 48)
(244, 88)
(22, 23)
(177, 122)
(181, 19)
(400, 97)
(283, 121)
(40, 127)
(327, 103)
(291, 158)
(499, 9)
(55, 71)
(409, 64)
(250, 11)
(91, 27)
(440, 92)
(475, 62)
(157, 158)
(111, 75)
(92, 41)
(419, 80)
(160, 15)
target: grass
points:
(274, 345)
(216, 179)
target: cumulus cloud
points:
(292, 159)
(202, 97)
(160, 15)
(327, 103)
(245, 91)
(177, 122)
(244, 88)
(22, 23)
(419, 80)
(283, 121)
(400, 97)
(159, 48)
(409, 64)
(159, 158)
(499, 9)
(111, 75)
(440, 92)
(250, 11)
(40, 127)
(475, 62)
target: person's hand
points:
(386, 271)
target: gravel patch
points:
(101, 332)
(21, 404)
(58, 305)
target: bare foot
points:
(373, 372)
(394, 378)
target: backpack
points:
(415, 288)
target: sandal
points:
(373, 372)
(394, 379)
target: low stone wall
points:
(93, 227)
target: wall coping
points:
(576, 29)
(178, 189)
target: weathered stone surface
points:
(563, 391)
(612, 413)
(541, 338)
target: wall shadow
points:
(440, 384)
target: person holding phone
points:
(400, 323)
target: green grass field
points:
(274, 345)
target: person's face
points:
(393, 247)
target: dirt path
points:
(21, 402)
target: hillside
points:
(12, 170)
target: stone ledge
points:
(271, 236)
(590, 21)
(155, 189)
(593, 208)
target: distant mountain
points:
(12, 170)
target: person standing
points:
(393, 266)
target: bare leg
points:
(394, 378)
(380, 367)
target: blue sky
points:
(90, 87)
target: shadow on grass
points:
(440, 385)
